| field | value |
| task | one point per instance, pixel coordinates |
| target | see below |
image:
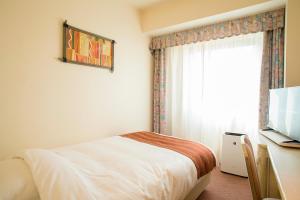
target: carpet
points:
(225, 186)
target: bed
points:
(142, 165)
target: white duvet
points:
(114, 168)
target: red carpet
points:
(226, 187)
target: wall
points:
(47, 103)
(292, 43)
(170, 13)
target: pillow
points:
(16, 181)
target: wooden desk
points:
(285, 164)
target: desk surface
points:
(286, 165)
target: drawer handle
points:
(234, 143)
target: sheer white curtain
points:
(213, 87)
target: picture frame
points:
(86, 48)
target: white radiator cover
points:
(232, 157)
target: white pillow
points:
(16, 181)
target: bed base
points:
(199, 187)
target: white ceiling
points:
(263, 7)
(143, 3)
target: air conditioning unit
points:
(232, 157)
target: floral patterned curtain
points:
(159, 91)
(251, 24)
(272, 23)
(272, 71)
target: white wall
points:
(45, 102)
(292, 61)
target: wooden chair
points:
(252, 169)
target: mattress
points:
(111, 168)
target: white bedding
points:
(114, 168)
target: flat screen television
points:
(284, 111)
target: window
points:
(213, 87)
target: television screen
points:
(284, 111)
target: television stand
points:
(280, 139)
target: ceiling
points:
(234, 14)
(143, 3)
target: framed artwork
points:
(85, 48)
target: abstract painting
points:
(82, 47)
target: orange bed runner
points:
(202, 157)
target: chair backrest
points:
(251, 167)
